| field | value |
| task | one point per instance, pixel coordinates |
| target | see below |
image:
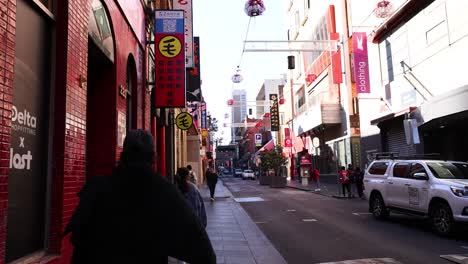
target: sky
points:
(222, 27)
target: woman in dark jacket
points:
(191, 194)
(211, 180)
(135, 216)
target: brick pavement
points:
(236, 239)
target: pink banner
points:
(361, 62)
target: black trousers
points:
(347, 187)
(212, 187)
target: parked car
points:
(248, 174)
(237, 173)
(433, 188)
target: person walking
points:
(352, 181)
(316, 175)
(135, 215)
(191, 194)
(344, 180)
(193, 176)
(211, 180)
(359, 178)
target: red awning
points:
(391, 115)
(268, 146)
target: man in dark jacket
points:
(211, 180)
(135, 216)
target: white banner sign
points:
(186, 6)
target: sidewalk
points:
(234, 236)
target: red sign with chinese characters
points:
(170, 59)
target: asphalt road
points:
(311, 228)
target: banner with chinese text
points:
(170, 59)
(274, 112)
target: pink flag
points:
(298, 144)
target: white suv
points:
(434, 188)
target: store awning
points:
(394, 114)
(268, 146)
(402, 15)
(446, 104)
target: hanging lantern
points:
(230, 102)
(237, 78)
(254, 8)
(383, 9)
(282, 101)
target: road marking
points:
(260, 222)
(366, 261)
(249, 199)
(456, 258)
(358, 214)
(291, 210)
(309, 220)
(465, 247)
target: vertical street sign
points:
(203, 115)
(186, 6)
(170, 56)
(193, 74)
(361, 62)
(258, 140)
(274, 112)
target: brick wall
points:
(7, 59)
(69, 152)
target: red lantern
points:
(310, 77)
(230, 102)
(383, 9)
(282, 101)
(254, 8)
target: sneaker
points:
(211, 199)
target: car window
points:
(400, 170)
(415, 168)
(378, 168)
(449, 170)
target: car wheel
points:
(378, 208)
(441, 218)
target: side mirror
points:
(420, 176)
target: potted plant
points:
(271, 162)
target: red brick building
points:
(73, 81)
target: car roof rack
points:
(385, 155)
(395, 155)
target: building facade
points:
(67, 103)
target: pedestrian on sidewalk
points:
(359, 177)
(211, 180)
(134, 215)
(352, 181)
(191, 194)
(193, 176)
(316, 176)
(344, 180)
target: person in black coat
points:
(136, 216)
(211, 180)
